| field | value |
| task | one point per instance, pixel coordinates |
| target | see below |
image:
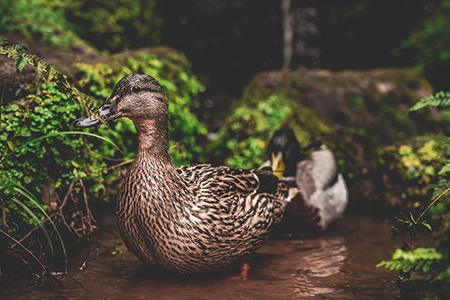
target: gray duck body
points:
(191, 219)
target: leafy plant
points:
(421, 270)
(431, 29)
(115, 25)
(38, 20)
(410, 170)
(42, 69)
(425, 272)
(39, 155)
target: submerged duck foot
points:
(243, 275)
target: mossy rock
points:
(356, 113)
(243, 140)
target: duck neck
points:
(153, 139)
(154, 170)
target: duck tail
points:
(268, 182)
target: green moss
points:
(242, 142)
(357, 103)
(109, 26)
(38, 21)
(115, 25)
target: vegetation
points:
(425, 272)
(250, 33)
(37, 157)
(411, 170)
(115, 25)
(242, 142)
(109, 26)
(424, 47)
(41, 21)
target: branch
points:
(28, 251)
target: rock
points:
(356, 113)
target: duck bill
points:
(107, 112)
(277, 164)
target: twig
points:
(3, 214)
(179, 148)
(28, 251)
(432, 203)
(29, 233)
(66, 197)
(88, 210)
(120, 164)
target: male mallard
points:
(323, 193)
(191, 219)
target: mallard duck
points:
(197, 218)
(323, 194)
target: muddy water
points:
(339, 264)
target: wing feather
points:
(236, 197)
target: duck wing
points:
(318, 171)
(236, 201)
(322, 185)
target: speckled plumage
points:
(191, 219)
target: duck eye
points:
(136, 89)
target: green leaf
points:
(28, 195)
(426, 225)
(444, 170)
(411, 216)
(21, 62)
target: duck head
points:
(284, 152)
(136, 96)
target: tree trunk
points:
(288, 34)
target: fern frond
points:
(440, 99)
(21, 62)
(420, 259)
(3, 41)
(418, 253)
(16, 47)
(22, 59)
(407, 266)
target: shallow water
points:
(339, 264)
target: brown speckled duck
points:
(323, 194)
(191, 219)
